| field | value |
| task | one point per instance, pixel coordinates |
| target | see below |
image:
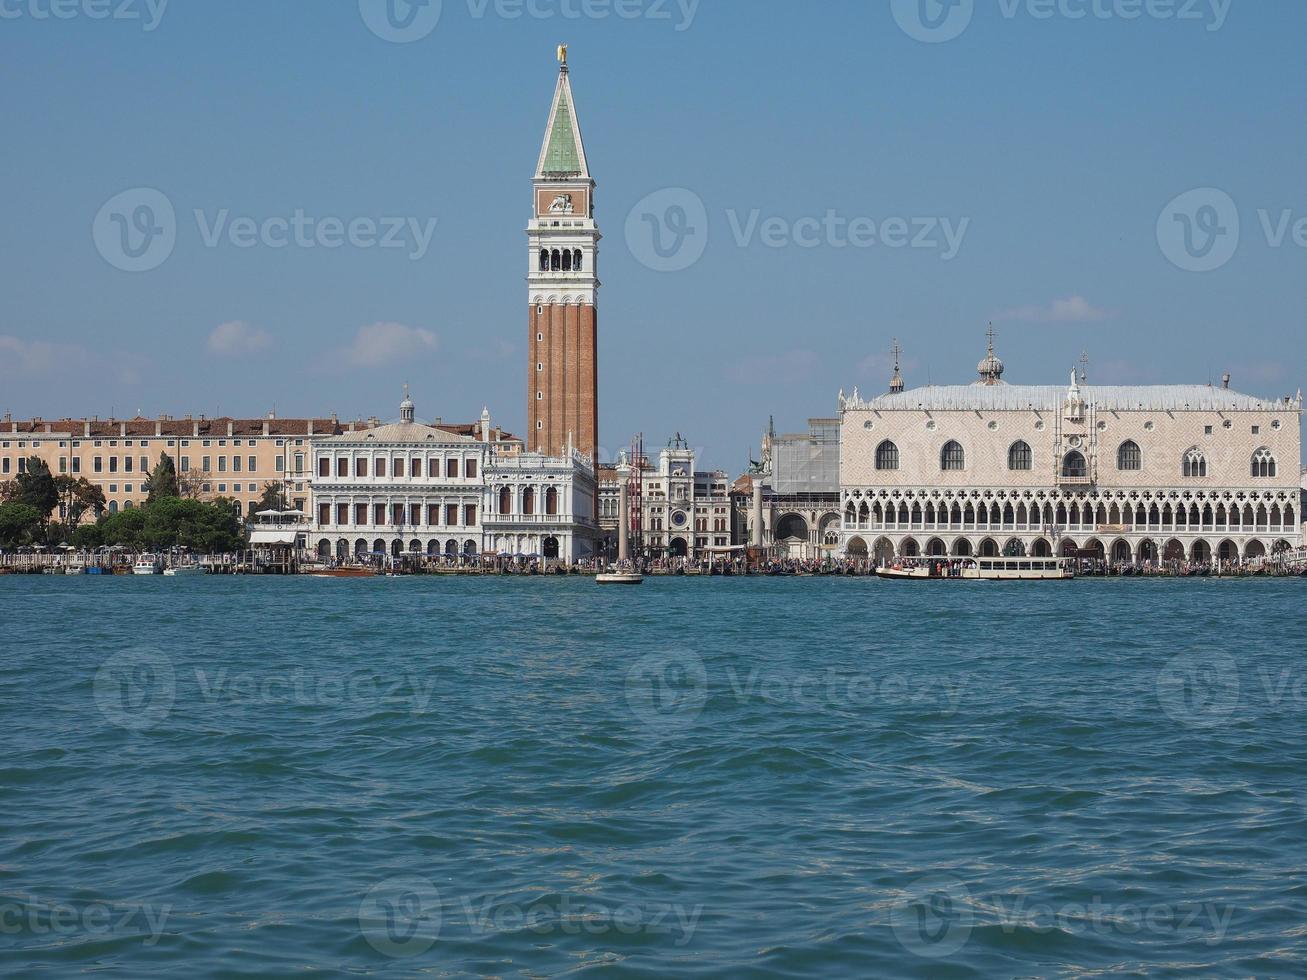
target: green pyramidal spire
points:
(564, 152)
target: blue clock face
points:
(678, 519)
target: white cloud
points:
(1073, 309)
(380, 344)
(238, 339)
(24, 360)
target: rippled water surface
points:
(730, 777)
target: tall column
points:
(623, 516)
(757, 511)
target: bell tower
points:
(563, 287)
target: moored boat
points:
(146, 565)
(619, 578)
(984, 569)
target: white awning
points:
(272, 537)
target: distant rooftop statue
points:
(896, 382)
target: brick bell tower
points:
(562, 371)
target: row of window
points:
(1129, 458)
(1061, 515)
(397, 467)
(386, 515)
(565, 260)
(529, 497)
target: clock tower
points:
(562, 369)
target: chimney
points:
(86, 429)
(1225, 381)
(158, 427)
(266, 428)
(48, 427)
(122, 428)
(310, 429)
(195, 429)
(231, 427)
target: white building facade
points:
(1125, 474)
(403, 489)
(538, 506)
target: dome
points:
(407, 410)
(990, 367)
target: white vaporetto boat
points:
(984, 569)
(146, 565)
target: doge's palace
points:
(1127, 474)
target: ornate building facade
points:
(401, 489)
(540, 506)
(799, 475)
(1124, 474)
(563, 287)
(682, 512)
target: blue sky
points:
(857, 183)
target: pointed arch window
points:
(1020, 456)
(952, 458)
(1264, 466)
(887, 456)
(1195, 464)
(1129, 457)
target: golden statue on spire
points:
(562, 54)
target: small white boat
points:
(619, 578)
(983, 569)
(75, 568)
(146, 565)
(190, 568)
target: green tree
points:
(201, 527)
(163, 480)
(273, 498)
(78, 495)
(126, 528)
(36, 488)
(88, 537)
(19, 524)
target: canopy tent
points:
(271, 536)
